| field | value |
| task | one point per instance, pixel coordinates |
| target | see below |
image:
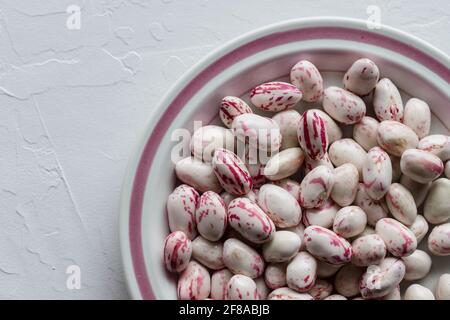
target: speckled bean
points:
(365, 132)
(311, 164)
(288, 122)
(377, 173)
(284, 164)
(387, 102)
(194, 282)
(275, 275)
(349, 221)
(230, 108)
(211, 216)
(326, 245)
(439, 240)
(437, 144)
(199, 175)
(312, 135)
(367, 250)
(275, 96)
(316, 187)
(208, 253)
(241, 287)
(343, 106)
(301, 272)
(400, 241)
(177, 251)
(396, 138)
(362, 77)
(417, 116)
(240, 258)
(421, 166)
(181, 206)
(347, 151)
(401, 204)
(291, 186)
(305, 76)
(282, 247)
(250, 220)
(219, 281)
(282, 208)
(437, 204)
(322, 216)
(345, 185)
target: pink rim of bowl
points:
(139, 283)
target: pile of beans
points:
(327, 216)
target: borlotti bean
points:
(326, 245)
(240, 258)
(219, 281)
(288, 122)
(345, 185)
(418, 190)
(194, 282)
(380, 280)
(207, 139)
(282, 208)
(377, 173)
(291, 186)
(367, 250)
(241, 287)
(211, 216)
(230, 108)
(437, 204)
(326, 270)
(181, 206)
(417, 116)
(177, 251)
(321, 289)
(288, 294)
(396, 138)
(418, 292)
(439, 240)
(282, 247)
(334, 132)
(247, 218)
(421, 166)
(263, 289)
(375, 210)
(301, 272)
(401, 204)
(346, 281)
(316, 187)
(197, 174)
(284, 164)
(437, 144)
(208, 253)
(312, 135)
(311, 164)
(365, 132)
(275, 275)
(262, 133)
(343, 106)
(347, 151)
(275, 96)
(443, 287)
(419, 227)
(362, 77)
(349, 221)
(231, 172)
(322, 216)
(417, 265)
(305, 76)
(300, 211)
(387, 102)
(400, 241)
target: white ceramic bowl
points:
(332, 44)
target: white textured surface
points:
(73, 103)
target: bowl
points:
(332, 44)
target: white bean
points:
(347, 151)
(396, 138)
(345, 185)
(208, 253)
(417, 265)
(387, 102)
(284, 164)
(418, 292)
(240, 258)
(197, 174)
(282, 247)
(301, 272)
(417, 116)
(365, 132)
(437, 204)
(367, 250)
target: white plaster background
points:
(73, 103)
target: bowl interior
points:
(332, 57)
